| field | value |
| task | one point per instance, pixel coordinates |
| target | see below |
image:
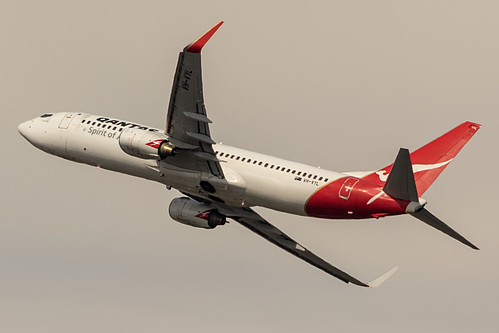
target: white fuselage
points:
(262, 180)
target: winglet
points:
(379, 280)
(197, 45)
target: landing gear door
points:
(66, 120)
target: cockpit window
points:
(46, 115)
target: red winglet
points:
(197, 45)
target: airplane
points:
(220, 182)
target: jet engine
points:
(196, 214)
(145, 144)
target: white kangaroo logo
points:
(383, 175)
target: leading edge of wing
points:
(253, 221)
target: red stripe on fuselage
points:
(352, 198)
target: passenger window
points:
(315, 177)
(249, 160)
(299, 173)
(244, 158)
(293, 172)
(237, 158)
(320, 178)
(304, 174)
(266, 165)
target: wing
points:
(187, 127)
(187, 124)
(253, 221)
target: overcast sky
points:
(339, 84)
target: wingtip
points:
(198, 44)
(382, 278)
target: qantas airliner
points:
(219, 181)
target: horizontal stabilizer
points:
(436, 223)
(400, 183)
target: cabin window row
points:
(271, 166)
(88, 122)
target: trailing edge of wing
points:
(260, 226)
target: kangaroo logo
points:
(204, 215)
(383, 176)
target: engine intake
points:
(196, 214)
(145, 144)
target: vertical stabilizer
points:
(429, 161)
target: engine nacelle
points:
(145, 144)
(196, 214)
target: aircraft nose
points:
(30, 130)
(24, 129)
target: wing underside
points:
(187, 124)
(254, 222)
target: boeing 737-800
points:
(219, 181)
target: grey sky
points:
(340, 84)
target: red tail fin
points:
(429, 161)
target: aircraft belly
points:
(184, 180)
(277, 194)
